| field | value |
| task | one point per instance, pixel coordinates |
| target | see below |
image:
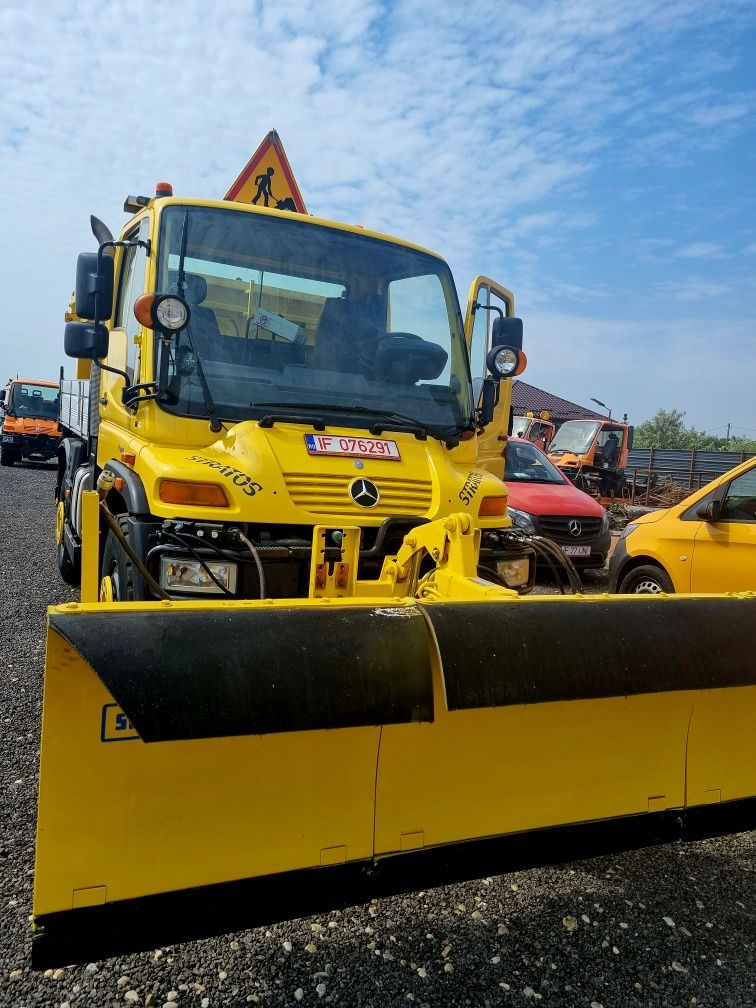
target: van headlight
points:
(521, 519)
(627, 530)
(604, 524)
(192, 576)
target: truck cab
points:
(254, 374)
(29, 420)
(593, 454)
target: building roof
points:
(527, 398)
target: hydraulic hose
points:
(256, 555)
(127, 549)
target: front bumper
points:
(32, 444)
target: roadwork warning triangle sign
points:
(267, 179)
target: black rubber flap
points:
(211, 673)
(498, 655)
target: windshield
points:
(520, 425)
(39, 401)
(300, 315)
(575, 436)
(525, 464)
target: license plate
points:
(332, 444)
(576, 551)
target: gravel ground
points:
(668, 927)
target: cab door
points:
(485, 296)
(724, 552)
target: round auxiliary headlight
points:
(504, 362)
(171, 313)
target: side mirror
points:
(507, 332)
(85, 340)
(710, 512)
(89, 283)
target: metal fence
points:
(689, 469)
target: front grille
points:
(330, 495)
(555, 527)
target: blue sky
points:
(596, 157)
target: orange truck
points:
(30, 420)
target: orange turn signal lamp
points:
(491, 506)
(192, 494)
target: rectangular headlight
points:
(514, 573)
(185, 575)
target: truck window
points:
(290, 312)
(39, 401)
(133, 273)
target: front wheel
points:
(117, 571)
(647, 580)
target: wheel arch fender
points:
(72, 453)
(646, 560)
(132, 491)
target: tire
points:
(7, 458)
(117, 566)
(647, 580)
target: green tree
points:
(666, 429)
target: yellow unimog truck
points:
(296, 679)
(292, 372)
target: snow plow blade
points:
(212, 766)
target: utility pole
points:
(728, 434)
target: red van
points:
(543, 501)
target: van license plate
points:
(331, 444)
(576, 551)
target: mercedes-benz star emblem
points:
(575, 528)
(364, 493)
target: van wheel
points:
(117, 566)
(647, 580)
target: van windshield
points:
(575, 436)
(525, 464)
(293, 314)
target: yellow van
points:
(706, 543)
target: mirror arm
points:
(489, 400)
(488, 307)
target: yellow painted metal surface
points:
(170, 815)
(482, 773)
(151, 818)
(721, 754)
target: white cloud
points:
(490, 131)
(701, 250)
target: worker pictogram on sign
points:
(267, 179)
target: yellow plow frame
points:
(212, 765)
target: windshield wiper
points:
(270, 418)
(396, 421)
